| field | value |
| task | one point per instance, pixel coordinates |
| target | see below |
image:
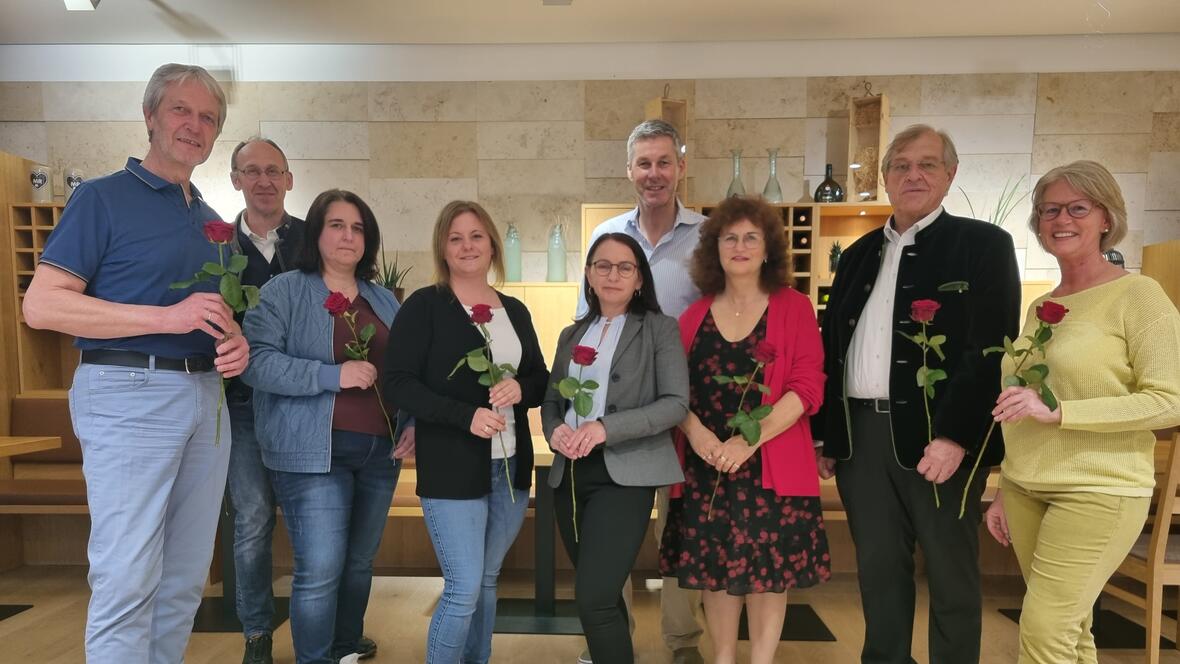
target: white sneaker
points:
(584, 658)
(354, 658)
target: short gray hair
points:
(233, 157)
(649, 129)
(950, 156)
(173, 73)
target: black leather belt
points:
(877, 405)
(130, 358)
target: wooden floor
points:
(399, 613)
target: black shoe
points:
(366, 647)
(258, 650)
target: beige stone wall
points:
(533, 151)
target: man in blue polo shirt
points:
(144, 397)
(668, 233)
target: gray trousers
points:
(890, 509)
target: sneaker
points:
(366, 648)
(258, 650)
(584, 658)
(349, 659)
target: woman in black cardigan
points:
(474, 449)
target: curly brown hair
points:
(706, 270)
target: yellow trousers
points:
(1068, 544)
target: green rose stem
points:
(732, 431)
(929, 425)
(220, 379)
(496, 376)
(573, 462)
(363, 351)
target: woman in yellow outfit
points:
(1077, 480)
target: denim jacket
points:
(293, 371)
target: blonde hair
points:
(442, 228)
(1094, 182)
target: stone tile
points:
(711, 178)
(979, 94)
(407, 208)
(1161, 226)
(313, 101)
(422, 149)
(535, 214)
(530, 140)
(97, 148)
(1163, 174)
(982, 205)
(826, 143)
(1165, 132)
(564, 177)
(422, 101)
(523, 101)
(314, 176)
(212, 178)
(606, 159)
(534, 266)
(981, 134)
(1094, 103)
(716, 138)
(989, 173)
(20, 101)
(320, 140)
(829, 95)
(613, 108)
(242, 115)
(610, 190)
(26, 139)
(1167, 92)
(1121, 153)
(751, 98)
(93, 101)
(1134, 188)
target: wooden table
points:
(13, 445)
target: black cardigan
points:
(431, 332)
(950, 249)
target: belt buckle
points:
(877, 406)
(186, 369)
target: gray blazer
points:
(646, 398)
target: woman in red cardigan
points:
(764, 532)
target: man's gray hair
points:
(173, 73)
(950, 156)
(233, 157)
(649, 129)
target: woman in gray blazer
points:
(611, 457)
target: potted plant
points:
(392, 276)
(1005, 204)
(834, 256)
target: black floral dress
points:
(757, 541)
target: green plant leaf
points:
(1044, 334)
(763, 389)
(590, 385)
(737, 419)
(478, 362)
(177, 285)
(935, 375)
(212, 269)
(367, 333)
(921, 376)
(583, 403)
(458, 365)
(722, 380)
(937, 348)
(237, 263)
(485, 379)
(953, 286)
(508, 368)
(741, 380)
(251, 293)
(1048, 397)
(352, 354)
(1043, 368)
(1034, 374)
(992, 349)
(475, 352)
(938, 340)
(930, 391)
(761, 412)
(1009, 348)
(231, 292)
(1010, 381)
(751, 430)
(567, 387)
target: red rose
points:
(922, 311)
(764, 352)
(584, 356)
(481, 313)
(337, 303)
(218, 232)
(1051, 312)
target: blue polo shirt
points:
(129, 235)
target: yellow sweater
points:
(1114, 364)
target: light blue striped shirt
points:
(669, 258)
(603, 334)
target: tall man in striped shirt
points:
(668, 233)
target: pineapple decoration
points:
(834, 257)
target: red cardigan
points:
(788, 459)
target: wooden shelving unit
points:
(45, 360)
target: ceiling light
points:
(854, 166)
(82, 5)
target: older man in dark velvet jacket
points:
(890, 452)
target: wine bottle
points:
(829, 191)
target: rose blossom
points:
(218, 232)
(922, 311)
(1051, 312)
(481, 313)
(337, 303)
(584, 355)
(764, 352)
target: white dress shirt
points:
(871, 349)
(265, 245)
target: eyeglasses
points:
(603, 268)
(749, 240)
(927, 166)
(1078, 209)
(252, 173)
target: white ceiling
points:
(584, 21)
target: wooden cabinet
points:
(552, 306)
(45, 359)
(1162, 263)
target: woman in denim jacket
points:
(321, 425)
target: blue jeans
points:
(470, 539)
(154, 483)
(335, 520)
(253, 501)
